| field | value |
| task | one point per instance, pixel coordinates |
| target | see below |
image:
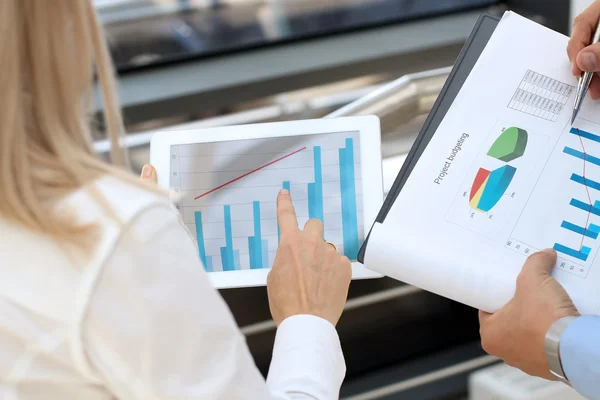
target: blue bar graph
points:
(227, 253)
(209, 264)
(265, 253)
(585, 181)
(251, 252)
(312, 207)
(315, 189)
(581, 155)
(592, 231)
(258, 256)
(257, 235)
(224, 259)
(580, 255)
(318, 182)
(286, 185)
(348, 191)
(200, 237)
(586, 207)
(236, 259)
(256, 245)
(581, 205)
(585, 134)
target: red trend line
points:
(249, 173)
(585, 227)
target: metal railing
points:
(399, 101)
(396, 103)
(357, 302)
(431, 377)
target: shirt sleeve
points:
(156, 329)
(580, 355)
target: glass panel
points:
(150, 32)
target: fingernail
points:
(147, 171)
(284, 192)
(588, 61)
(549, 251)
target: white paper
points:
(435, 239)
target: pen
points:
(584, 81)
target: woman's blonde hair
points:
(50, 52)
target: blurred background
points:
(196, 63)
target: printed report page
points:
(505, 175)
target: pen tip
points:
(573, 117)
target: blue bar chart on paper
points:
(571, 212)
(228, 193)
(588, 231)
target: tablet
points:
(224, 181)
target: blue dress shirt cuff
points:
(580, 355)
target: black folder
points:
(476, 42)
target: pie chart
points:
(510, 145)
(489, 187)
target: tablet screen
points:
(226, 193)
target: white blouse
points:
(138, 319)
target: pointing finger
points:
(286, 214)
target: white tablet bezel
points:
(370, 152)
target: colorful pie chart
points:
(489, 187)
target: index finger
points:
(286, 214)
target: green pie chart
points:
(510, 145)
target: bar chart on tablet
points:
(226, 193)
